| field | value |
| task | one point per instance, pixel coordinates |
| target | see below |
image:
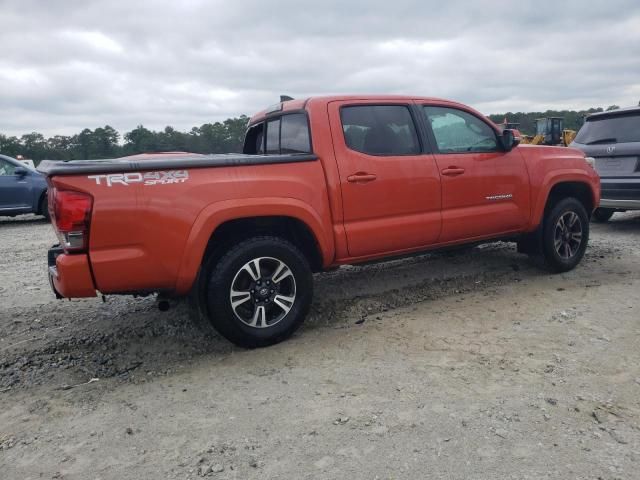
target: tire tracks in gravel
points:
(76, 340)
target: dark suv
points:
(613, 140)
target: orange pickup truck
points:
(322, 182)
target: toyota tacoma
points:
(322, 182)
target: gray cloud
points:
(74, 64)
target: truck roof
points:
(300, 104)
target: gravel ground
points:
(460, 365)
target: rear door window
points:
(614, 129)
(380, 129)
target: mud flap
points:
(52, 254)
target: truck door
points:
(15, 190)
(390, 184)
(485, 190)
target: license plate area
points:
(616, 165)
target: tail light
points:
(71, 216)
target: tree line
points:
(218, 137)
(104, 142)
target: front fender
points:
(214, 215)
(555, 177)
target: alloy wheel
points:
(263, 292)
(567, 237)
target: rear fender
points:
(214, 215)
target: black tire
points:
(602, 215)
(265, 307)
(44, 207)
(563, 223)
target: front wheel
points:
(565, 235)
(259, 292)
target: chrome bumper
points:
(621, 204)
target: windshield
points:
(614, 129)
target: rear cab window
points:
(294, 134)
(285, 134)
(272, 144)
(254, 140)
(619, 128)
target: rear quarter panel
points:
(152, 237)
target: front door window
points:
(456, 131)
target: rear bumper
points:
(70, 275)
(621, 204)
(620, 193)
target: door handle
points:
(361, 177)
(453, 171)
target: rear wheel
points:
(602, 215)
(565, 235)
(258, 293)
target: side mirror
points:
(510, 139)
(20, 171)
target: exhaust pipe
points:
(163, 304)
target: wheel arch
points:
(40, 197)
(289, 228)
(562, 186)
(225, 223)
(579, 190)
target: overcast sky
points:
(66, 65)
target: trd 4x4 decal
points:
(146, 178)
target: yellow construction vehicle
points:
(550, 131)
(568, 136)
